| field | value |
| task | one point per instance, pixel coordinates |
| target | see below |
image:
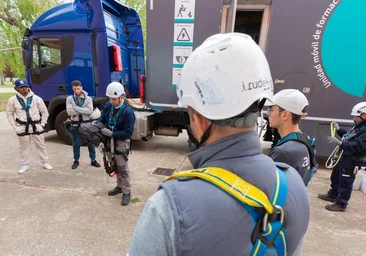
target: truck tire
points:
(61, 128)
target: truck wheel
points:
(61, 128)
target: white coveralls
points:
(37, 111)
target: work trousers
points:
(76, 144)
(341, 185)
(25, 146)
(123, 170)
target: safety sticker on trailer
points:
(184, 11)
(180, 55)
(176, 76)
(183, 36)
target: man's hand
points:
(336, 126)
(334, 140)
(107, 132)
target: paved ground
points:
(67, 212)
(6, 90)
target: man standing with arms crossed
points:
(79, 107)
(27, 114)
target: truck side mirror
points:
(25, 43)
(25, 55)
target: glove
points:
(107, 132)
(336, 126)
(334, 140)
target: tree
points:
(15, 17)
(140, 7)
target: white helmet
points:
(224, 76)
(96, 114)
(115, 90)
(359, 109)
(291, 100)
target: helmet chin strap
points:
(205, 135)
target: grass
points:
(4, 100)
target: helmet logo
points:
(115, 93)
(200, 92)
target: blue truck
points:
(99, 41)
(95, 42)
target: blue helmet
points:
(20, 83)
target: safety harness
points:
(111, 166)
(269, 215)
(26, 107)
(310, 145)
(80, 104)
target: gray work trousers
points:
(123, 171)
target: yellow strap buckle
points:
(332, 129)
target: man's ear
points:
(286, 115)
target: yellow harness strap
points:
(232, 184)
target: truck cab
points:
(93, 41)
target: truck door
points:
(50, 55)
(136, 57)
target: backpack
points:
(310, 145)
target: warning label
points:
(180, 54)
(183, 33)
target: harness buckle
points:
(273, 216)
(261, 226)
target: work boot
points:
(75, 165)
(115, 191)
(47, 166)
(23, 169)
(126, 199)
(95, 163)
(335, 208)
(326, 197)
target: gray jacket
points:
(294, 154)
(74, 111)
(196, 218)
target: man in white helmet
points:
(80, 108)
(353, 144)
(119, 119)
(284, 114)
(223, 84)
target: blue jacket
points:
(124, 124)
(354, 153)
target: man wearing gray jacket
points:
(284, 114)
(79, 107)
(223, 84)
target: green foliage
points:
(15, 17)
(140, 7)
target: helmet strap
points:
(205, 135)
(248, 120)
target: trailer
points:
(304, 41)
